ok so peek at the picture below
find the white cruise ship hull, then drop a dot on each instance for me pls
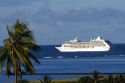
(96, 49)
(95, 45)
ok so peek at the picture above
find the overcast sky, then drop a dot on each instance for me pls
(55, 21)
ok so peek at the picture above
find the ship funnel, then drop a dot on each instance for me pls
(75, 39)
(98, 38)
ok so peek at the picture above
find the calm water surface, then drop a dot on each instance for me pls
(53, 61)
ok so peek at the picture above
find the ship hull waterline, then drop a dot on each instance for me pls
(82, 49)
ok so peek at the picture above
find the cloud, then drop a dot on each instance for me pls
(13, 3)
(39, 12)
(23, 9)
(80, 22)
(51, 27)
(103, 16)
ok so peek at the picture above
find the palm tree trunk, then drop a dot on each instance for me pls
(16, 78)
(95, 80)
(20, 73)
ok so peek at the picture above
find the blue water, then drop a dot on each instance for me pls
(53, 61)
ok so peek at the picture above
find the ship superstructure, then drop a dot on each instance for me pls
(97, 44)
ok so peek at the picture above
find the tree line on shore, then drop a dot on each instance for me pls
(96, 77)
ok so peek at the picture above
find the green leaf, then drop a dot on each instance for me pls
(34, 58)
(24, 60)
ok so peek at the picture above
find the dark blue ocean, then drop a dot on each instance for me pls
(53, 61)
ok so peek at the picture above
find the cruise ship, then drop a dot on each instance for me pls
(97, 44)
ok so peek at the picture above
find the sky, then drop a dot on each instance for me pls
(55, 21)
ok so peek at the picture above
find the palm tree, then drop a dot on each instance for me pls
(85, 79)
(46, 79)
(119, 79)
(97, 78)
(16, 53)
(110, 79)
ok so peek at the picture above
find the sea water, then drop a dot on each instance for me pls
(53, 61)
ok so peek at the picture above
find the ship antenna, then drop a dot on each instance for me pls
(76, 38)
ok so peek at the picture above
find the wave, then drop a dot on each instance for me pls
(47, 57)
(60, 57)
(121, 55)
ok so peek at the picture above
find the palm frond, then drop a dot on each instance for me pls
(9, 65)
(34, 58)
(27, 53)
(9, 32)
(25, 61)
(2, 58)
